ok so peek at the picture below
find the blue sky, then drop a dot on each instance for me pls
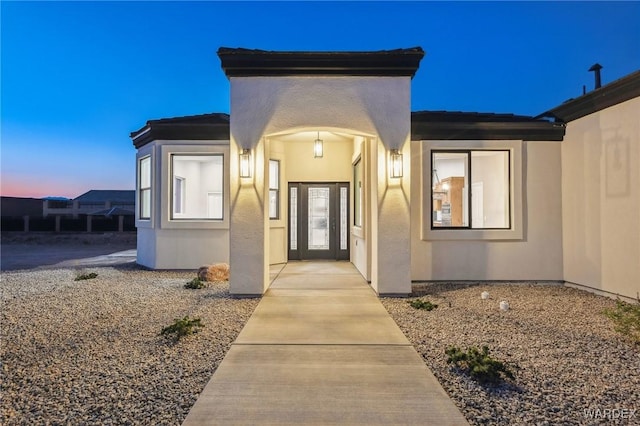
(78, 77)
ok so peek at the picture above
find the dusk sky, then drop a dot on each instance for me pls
(78, 77)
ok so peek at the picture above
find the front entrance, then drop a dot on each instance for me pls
(319, 221)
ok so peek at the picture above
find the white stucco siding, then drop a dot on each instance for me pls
(537, 255)
(601, 193)
(264, 107)
(371, 105)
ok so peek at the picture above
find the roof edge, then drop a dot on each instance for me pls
(616, 92)
(241, 62)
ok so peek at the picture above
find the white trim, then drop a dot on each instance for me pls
(164, 183)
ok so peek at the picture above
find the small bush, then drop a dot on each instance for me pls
(181, 327)
(195, 283)
(88, 276)
(422, 304)
(479, 364)
(626, 319)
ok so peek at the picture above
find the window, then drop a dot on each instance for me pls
(357, 193)
(178, 195)
(197, 182)
(274, 189)
(144, 188)
(470, 189)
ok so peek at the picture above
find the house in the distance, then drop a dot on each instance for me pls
(91, 202)
(322, 158)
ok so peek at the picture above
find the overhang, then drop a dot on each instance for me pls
(455, 125)
(239, 62)
(616, 92)
(194, 127)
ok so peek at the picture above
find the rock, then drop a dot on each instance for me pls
(216, 272)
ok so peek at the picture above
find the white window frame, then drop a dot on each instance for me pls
(143, 157)
(204, 147)
(516, 165)
(276, 189)
(358, 194)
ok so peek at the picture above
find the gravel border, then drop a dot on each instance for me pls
(565, 354)
(89, 352)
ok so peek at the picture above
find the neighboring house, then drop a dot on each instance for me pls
(322, 158)
(90, 202)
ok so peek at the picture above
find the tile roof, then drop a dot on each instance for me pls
(102, 195)
(213, 126)
(458, 125)
(616, 92)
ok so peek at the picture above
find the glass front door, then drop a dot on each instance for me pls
(318, 221)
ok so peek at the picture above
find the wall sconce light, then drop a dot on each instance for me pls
(317, 147)
(245, 163)
(395, 164)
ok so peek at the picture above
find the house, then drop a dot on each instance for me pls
(322, 158)
(90, 202)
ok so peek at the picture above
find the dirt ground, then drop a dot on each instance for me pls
(45, 249)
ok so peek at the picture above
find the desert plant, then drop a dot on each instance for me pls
(422, 304)
(85, 276)
(626, 319)
(479, 364)
(195, 283)
(181, 327)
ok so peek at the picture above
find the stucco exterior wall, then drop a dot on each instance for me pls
(165, 243)
(537, 255)
(601, 194)
(263, 107)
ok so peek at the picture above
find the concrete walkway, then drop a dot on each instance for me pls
(321, 349)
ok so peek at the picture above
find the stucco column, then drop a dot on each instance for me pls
(391, 272)
(248, 224)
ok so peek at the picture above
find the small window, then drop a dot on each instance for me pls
(274, 189)
(144, 188)
(197, 182)
(470, 189)
(357, 193)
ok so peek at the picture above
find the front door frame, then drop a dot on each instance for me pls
(301, 251)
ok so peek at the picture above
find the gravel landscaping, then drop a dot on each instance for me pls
(89, 352)
(565, 354)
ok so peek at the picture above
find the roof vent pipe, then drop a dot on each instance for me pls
(596, 69)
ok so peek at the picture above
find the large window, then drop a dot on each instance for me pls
(274, 189)
(470, 189)
(357, 193)
(197, 186)
(144, 188)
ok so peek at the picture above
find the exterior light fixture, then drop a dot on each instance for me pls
(395, 164)
(245, 163)
(317, 147)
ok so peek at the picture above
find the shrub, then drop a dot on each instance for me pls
(479, 364)
(195, 283)
(88, 276)
(422, 304)
(626, 319)
(181, 327)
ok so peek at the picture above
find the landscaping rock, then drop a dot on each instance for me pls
(212, 273)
